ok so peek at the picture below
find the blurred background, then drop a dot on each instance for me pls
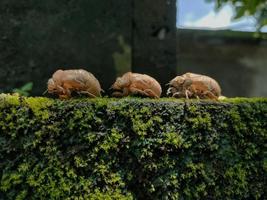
(225, 39)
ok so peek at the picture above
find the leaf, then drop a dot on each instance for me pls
(24, 90)
(27, 87)
(240, 12)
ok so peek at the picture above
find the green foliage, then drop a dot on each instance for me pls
(122, 60)
(132, 148)
(24, 90)
(256, 8)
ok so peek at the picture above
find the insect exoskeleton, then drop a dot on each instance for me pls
(66, 82)
(136, 84)
(190, 85)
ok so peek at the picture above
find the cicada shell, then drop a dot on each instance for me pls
(192, 85)
(65, 82)
(136, 84)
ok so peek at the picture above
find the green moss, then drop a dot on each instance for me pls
(39, 106)
(99, 195)
(132, 148)
(237, 177)
(7, 100)
(239, 100)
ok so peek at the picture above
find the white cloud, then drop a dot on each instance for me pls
(221, 20)
(214, 20)
(191, 14)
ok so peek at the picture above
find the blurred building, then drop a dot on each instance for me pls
(238, 60)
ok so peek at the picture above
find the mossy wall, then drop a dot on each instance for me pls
(132, 148)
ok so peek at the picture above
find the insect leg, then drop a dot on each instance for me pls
(186, 94)
(45, 92)
(178, 95)
(117, 94)
(88, 93)
(125, 92)
(121, 93)
(171, 91)
(67, 92)
(134, 90)
(61, 89)
(150, 93)
(210, 95)
(63, 93)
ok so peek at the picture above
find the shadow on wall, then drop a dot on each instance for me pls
(236, 59)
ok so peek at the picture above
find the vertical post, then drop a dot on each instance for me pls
(154, 39)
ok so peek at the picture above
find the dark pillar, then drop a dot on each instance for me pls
(154, 39)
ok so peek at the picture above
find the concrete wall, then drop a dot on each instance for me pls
(237, 60)
(38, 37)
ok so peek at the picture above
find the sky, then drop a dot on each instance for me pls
(201, 15)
